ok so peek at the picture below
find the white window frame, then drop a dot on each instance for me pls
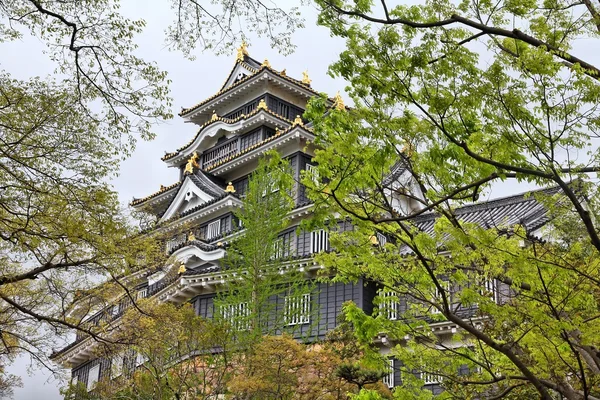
(430, 379)
(213, 229)
(297, 309)
(437, 297)
(319, 241)
(117, 365)
(140, 359)
(236, 315)
(389, 304)
(388, 380)
(142, 293)
(489, 286)
(381, 239)
(313, 171)
(93, 377)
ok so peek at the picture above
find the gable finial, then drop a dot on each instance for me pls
(305, 79)
(338, 102)
(242, 51)
(266, 63)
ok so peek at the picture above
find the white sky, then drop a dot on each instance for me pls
(193, 81)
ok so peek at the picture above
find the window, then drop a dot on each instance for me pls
(139, 359)
(117, 365)
(236, 315)
(93, 376)
(297, 309)
(488, 289)
(283, 244)
(388, 380)
(381, 238)
(142, 293)
(213, 229)
(313, 172)
(438, 296)
(319, 241)
(389, 304)
(429, 378)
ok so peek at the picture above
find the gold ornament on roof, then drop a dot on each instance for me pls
(374, 241)
(262, 105)
(192, 163)
(298, 121)
(214, 116)
(266, 63)
(283, 73)
(242, 51)
(191, 237)
(182, 269)
(305, 79)
(230, 188)
(338, 102)
(162, 187)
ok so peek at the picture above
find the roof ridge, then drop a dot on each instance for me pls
(162, 190)
(244, 79)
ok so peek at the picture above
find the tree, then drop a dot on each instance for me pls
(465, 95)
(62, 229)
(174, 350)
(258, 260)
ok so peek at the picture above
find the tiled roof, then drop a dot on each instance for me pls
(226, 120)
(521, 209)
(202, 245)
(245, 79)
(163, 189)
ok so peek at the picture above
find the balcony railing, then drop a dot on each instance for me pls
(233, 146)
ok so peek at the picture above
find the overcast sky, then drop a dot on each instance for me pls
(193, 81)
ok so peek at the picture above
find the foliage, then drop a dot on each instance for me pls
(62, 230)
(257, 261)
(221, 25)
(459, 96)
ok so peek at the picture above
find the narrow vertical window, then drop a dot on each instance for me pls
(236, 315)
(388, 380)
(93, 376)
(213, 229)
(319, 241)
(297, 309)
(389, 304)
(313, 172)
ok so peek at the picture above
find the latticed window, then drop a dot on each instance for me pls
(93, 376)
(489, 289)
(429, 378)
(388, 380)
(213, 229)
(438, 296)
(297, 309)
(236, 315)
(117, 365)
(381, 238)
(142, 293)
(319, 241)
(313, 172)
(389, 304)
